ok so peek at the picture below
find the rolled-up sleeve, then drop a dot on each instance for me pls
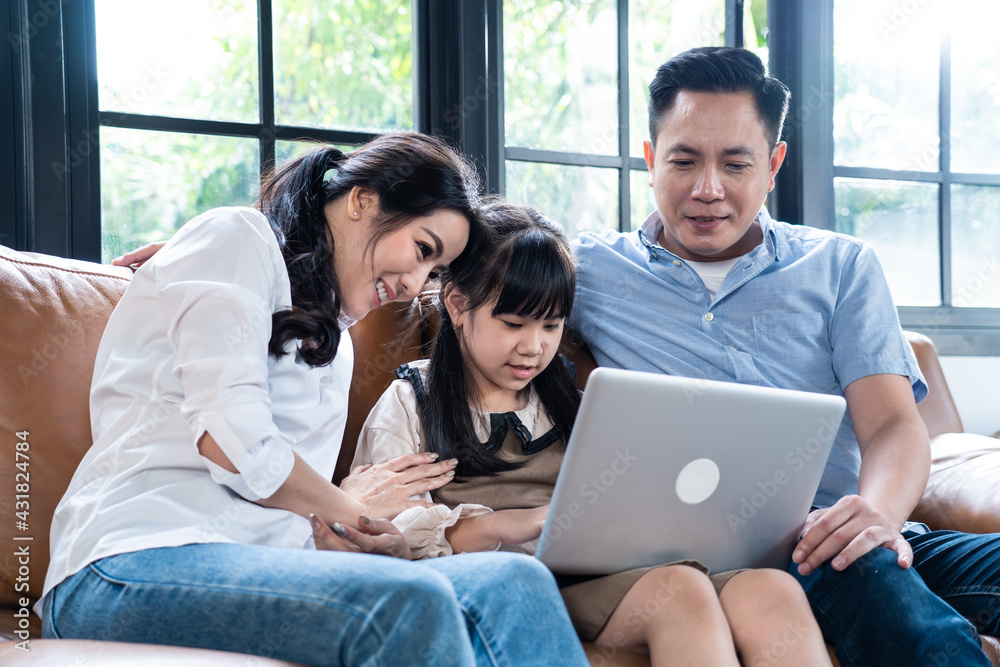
(217, 282)
(424, 528)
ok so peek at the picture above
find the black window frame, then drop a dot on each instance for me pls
(624, 162)
(49, 124)
(802, 56)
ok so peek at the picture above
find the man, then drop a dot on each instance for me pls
(712, 287)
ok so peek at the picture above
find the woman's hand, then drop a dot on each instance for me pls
(376, 536)
(385, 488)
(138, 257)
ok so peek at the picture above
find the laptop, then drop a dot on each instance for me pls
(662, 468)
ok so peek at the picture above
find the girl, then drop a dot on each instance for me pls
(493, 396)
(219, 401)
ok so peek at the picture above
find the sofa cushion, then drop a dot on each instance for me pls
(52, 314)
(963, 492)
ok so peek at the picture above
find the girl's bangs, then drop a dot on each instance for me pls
(538, 283)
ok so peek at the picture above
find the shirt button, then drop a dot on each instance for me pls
(709, 317)
(677, 262)
(325, 379)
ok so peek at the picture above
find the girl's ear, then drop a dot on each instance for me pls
(455, 302)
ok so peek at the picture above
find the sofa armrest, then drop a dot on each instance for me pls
(963, 492)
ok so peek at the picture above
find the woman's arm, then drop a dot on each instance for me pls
(304, 492)
(308, 494)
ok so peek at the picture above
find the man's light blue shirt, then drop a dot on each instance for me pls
(807, 309)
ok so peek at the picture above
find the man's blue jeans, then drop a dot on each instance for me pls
(322, 608)
(876, 613)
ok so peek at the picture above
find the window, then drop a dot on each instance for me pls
(575, 74)
(915, 173)
(197, 99)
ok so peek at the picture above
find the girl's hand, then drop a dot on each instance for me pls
(138, 257)
(377, 536)
(519, 526)
(385, 488)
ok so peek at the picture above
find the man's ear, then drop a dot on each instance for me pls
(777, 157)
(649, 152)
(455, 302)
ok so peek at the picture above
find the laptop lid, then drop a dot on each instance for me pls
(662, 468)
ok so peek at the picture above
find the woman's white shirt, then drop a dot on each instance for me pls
(185, 352)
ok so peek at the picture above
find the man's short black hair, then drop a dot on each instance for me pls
(719, 69)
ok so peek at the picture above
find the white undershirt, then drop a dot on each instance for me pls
(185, 352)
(713, 273)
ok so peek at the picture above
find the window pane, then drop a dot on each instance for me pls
(659, 30)
(343, 64)
(561, 75)
(975, 238)
(580, 199)
(643, 201)
(288, 150)
(900, 221)
(154, 182)
(886, 70)
(975, 72)
(186, 59)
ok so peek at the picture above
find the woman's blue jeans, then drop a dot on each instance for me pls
(876, 613)
(321, 607)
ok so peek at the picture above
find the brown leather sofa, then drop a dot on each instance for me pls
(52, 314)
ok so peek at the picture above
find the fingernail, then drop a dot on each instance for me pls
(337, 528)
(798, 555)
(839, 562)
(450, 473)
(433, 455)
(365, 520)
(314, 520)
(804, 569)
(453, 462)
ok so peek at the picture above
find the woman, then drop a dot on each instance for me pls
(218, 406)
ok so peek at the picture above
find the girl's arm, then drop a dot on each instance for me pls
(484, 532)
(391, 431)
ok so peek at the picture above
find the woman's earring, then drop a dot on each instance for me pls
(355, 214)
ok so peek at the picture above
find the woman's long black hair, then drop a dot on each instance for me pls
(414, 175)
(527, 271)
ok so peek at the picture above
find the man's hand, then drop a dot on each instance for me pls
(846, 532)
(385, 488)
(377, 536)
(138, 257)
